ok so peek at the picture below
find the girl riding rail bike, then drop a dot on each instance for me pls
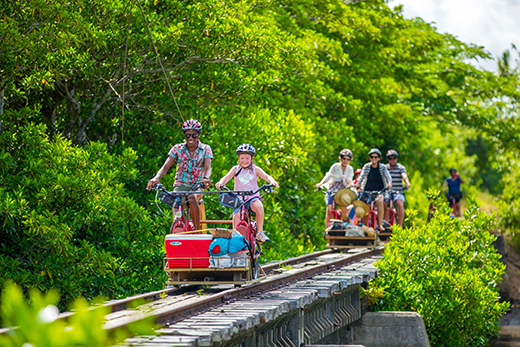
(246, 178)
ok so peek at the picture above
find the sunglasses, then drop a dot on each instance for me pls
(347, 158)
(391, 158)
(191, 135)
(374, 157)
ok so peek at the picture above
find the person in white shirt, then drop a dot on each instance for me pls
(339, 176)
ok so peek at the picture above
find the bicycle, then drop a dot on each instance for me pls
(182, 221)
(334, 212)
(392, 214)
(247, 225)
(371, 219)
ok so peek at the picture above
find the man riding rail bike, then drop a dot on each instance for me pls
(193, 160)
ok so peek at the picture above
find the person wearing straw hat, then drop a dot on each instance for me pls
(361, 209)
(375, 177)
(339, 176)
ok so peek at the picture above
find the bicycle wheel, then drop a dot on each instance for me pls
(255, 267)
(391, 216)
(372, 219)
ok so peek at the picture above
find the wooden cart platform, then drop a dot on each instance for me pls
(210, 275)
(348, 242)
(384, 236)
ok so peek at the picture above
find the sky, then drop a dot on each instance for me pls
(493, 24)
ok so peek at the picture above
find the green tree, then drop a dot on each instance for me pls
(448, 271)
(67, 221)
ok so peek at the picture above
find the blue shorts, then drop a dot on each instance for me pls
(399, 196)
(329, 198)
(247, 204)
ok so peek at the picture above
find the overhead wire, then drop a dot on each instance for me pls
(159, 59)
(125, 59)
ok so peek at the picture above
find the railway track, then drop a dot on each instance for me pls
(174, 305)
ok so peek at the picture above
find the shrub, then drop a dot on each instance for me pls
(510, 204)
(37, 324)
(67, 221)
(447, 271)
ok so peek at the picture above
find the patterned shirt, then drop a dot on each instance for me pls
(190, 168)
(397, 176)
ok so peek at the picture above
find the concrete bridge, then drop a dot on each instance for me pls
(324, 310)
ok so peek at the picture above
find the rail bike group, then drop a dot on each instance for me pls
(360, 209)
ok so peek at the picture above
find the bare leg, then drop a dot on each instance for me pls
(399, 204)
(344, 215)
(236, 219)
(380, 211)
(194, 211)
(174, 220)
(258, 208)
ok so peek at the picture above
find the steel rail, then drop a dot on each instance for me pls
(190, 307)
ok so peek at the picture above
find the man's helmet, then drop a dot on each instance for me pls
(345, 152)
(358, 171)
(392, 153)
(374, 150)
(246, 148)
(191, 124)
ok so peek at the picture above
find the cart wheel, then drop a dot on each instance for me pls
(255, 268)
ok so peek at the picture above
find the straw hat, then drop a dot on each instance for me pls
(360, 208)
(344, 197)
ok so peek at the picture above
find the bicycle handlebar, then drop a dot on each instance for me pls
(266, 187)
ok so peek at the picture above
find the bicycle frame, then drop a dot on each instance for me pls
(333, 213)
(247, 227)
(182, 223)
(371, 219)
(391, 218)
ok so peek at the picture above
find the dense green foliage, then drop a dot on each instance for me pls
(67, 221)
(38, 323)
(300, 80)
(447, 271)
(510, 203)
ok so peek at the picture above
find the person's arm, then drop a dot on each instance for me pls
(363, 177)
(406, 180)
(207, 172)
(444, 186)
(162, 171)
(325, 179)
(350, 176)
(388, 177)
(260, 173)
(461, 180)
(226, 178)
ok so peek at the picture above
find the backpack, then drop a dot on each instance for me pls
(229, 200)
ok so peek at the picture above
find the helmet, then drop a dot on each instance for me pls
(246, 148)
(191, 124)
(345, 152)
(392, 153)
(358, 171)
(374, 150)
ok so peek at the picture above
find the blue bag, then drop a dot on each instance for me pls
(237, 244)
(218, 247)
(229, 200)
